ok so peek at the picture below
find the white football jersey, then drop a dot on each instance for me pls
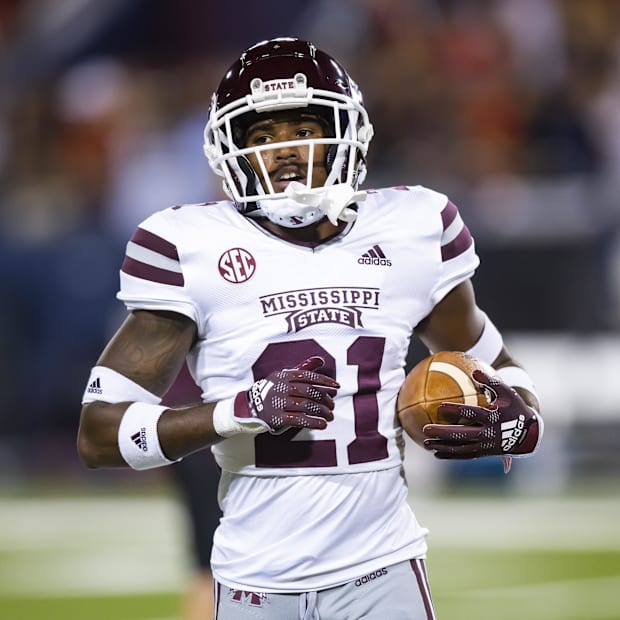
(261, 304)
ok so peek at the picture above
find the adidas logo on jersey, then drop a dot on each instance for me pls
(139, 439)
(374, 256)
(95, 387)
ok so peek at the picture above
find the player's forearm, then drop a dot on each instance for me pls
(186, 430)
(97, 440)
(180, 432)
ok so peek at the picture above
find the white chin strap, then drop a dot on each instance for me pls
(303, 206)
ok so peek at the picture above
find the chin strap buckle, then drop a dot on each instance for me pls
(333, 200)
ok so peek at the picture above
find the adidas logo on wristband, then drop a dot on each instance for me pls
(95, 387)
(139, 439)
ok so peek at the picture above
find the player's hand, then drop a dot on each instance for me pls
(506, 427)
(298, 397)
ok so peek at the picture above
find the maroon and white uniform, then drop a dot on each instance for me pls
(337, 496)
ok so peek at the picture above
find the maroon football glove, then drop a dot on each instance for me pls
(506, 427)
(299, 397)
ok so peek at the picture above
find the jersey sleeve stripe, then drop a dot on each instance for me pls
(144, 255)
(452, 231)
(458, 245)
(448, 214)
(155, 243)
(145, 271)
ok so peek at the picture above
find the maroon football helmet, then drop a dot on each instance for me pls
(284, 74)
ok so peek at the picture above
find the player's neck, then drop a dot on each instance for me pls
(313, 234)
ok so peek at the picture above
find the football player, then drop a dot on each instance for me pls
(294, 303)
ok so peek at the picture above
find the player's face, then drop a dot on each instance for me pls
(288, 163)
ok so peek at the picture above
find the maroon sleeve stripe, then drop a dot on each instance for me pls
(448, 214)
(155, 243)
(141, 270)
(458, 245)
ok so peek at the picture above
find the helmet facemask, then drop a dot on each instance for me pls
(250, 187)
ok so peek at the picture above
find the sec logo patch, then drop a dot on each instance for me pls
(237, 265)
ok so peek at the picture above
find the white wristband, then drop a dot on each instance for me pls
(226, 425)
(110, 386)
(138, 440)
(515, 376)
(489, 344)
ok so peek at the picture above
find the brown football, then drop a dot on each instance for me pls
(442, 377)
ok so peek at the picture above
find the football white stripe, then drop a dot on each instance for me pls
(144, 255)
(460, 377)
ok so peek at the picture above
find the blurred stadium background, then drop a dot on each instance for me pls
(512, 107)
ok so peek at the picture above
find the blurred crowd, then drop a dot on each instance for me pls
(512, 107)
